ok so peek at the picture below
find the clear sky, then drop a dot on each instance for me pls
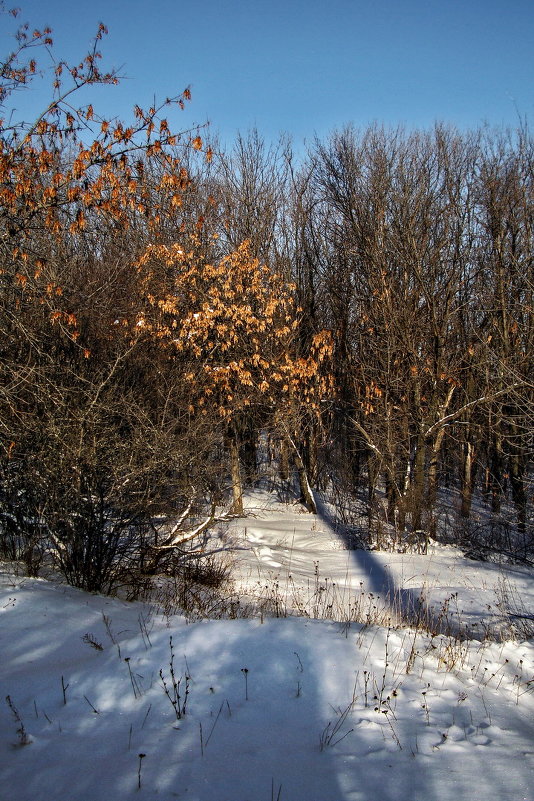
(306, 67)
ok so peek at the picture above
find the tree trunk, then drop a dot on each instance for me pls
(418, 485)
(284, 460)
(372, 475)
(235, 473)
(519, 493)
(496, 473)
(432, 488)
(306, 495)
(468, 475)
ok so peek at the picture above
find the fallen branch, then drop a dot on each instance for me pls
(179, 538)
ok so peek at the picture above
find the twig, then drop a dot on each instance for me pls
(141, 757)
(92, 707)
(135, 686)
(244, 671)
(64, 688)
(147, 713)
(214, 724)
(24, 737)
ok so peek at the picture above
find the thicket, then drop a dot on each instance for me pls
(417, 251)
(134, 349)
(414, 251)
(169, 310)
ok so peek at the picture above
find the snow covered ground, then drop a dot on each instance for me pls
(276, 709)
(281, 548)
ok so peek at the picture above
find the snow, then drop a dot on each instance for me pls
(289, 708)
(305, 555)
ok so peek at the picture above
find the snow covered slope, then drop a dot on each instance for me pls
(293, 709)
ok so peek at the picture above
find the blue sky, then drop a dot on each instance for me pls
(306, 67)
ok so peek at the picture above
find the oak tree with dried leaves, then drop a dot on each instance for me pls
(127, 355)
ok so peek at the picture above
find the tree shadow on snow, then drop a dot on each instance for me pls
(408, 605)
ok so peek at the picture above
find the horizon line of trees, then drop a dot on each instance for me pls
(414, 250)
(166, 307)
